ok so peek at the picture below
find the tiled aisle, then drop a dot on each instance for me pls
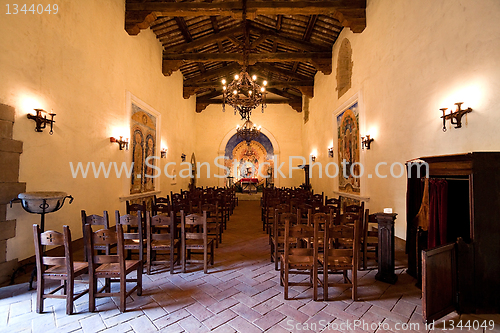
(240, 294)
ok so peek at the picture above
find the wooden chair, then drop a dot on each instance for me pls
(341, 257)
(134, 235)
(161, 237)
(113, 268)
(369, 239)
(214, 224)
(299, 259)
(63, 269)
(278, 235)
(136, 208)
(94, 220)
(194, 238)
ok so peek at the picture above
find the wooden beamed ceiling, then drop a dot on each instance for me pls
(290, 41)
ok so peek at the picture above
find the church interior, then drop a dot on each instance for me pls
(109, 104)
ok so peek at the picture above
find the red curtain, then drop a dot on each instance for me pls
(438, 212)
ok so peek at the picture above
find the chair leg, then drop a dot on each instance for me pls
(70, 284)
(148, 260)
(325, 284)
(354, 284)
(123, 291)
(183, 259)
(205, 259)
(213, 255)
(172, 250)
(285, 278)
(139, 280)
(40, 287)
(92, 292)
(315, 283)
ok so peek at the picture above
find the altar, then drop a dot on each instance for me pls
(249, 185)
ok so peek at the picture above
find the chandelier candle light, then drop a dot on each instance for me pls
(243, 93)
(248, 131)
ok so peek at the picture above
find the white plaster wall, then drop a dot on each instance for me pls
(281, 121)
(413, 58)
(80, 63)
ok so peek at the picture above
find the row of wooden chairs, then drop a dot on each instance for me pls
(162, 235)
(274, 207)
(319, 250)
(105, 252)
(113, 268)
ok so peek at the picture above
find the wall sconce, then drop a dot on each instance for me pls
(366, 142)
(454, 116)
(183, 157)
(330, 152)
(41, 122)
(163, 153)
(123, 143)
(313, 158)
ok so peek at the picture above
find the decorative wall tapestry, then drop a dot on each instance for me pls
(348, 143)
(249, 157)
(143, 133)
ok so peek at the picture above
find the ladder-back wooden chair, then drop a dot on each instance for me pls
(298, 259)
(112, 268)
(195, 240)
(369, 239)
(95, 220)
(133, 234)
(161, 237)
(341, 254)
(63, 269)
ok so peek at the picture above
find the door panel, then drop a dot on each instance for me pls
(439, 275)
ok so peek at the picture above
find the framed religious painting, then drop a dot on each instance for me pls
(144, 134)
(348, 143)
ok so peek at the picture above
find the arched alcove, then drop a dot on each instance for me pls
(263, 149)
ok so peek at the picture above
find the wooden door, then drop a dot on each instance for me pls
(439, 276)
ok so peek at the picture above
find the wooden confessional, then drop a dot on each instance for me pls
(464, 273)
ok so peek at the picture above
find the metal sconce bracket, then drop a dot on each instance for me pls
(366, 142)
(330, 152)
(455, 117)
(42, 121)
(313, 158)
(183, 157)
(122, 143)
(163, 153)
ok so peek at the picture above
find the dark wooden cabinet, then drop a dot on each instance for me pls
(464, 274)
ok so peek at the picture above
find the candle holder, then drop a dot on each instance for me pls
(366, 142)
(455, 117)
(42, 121)
(123, 143)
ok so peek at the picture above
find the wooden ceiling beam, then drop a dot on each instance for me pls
(234, 8)
(264, 68)
(139, 15)
(275, 84)
(252, 58)
(285, 40)
(203, 41)
(296, 104)
(214, 73)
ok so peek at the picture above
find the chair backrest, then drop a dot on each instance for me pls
(348, 238)
(300, 251)
(164, 223)
(189, 223)
(135, 223)
(161, 200)
(161, 208)
(136, 208)
(105, 237)
(49, 238)
(366, 224)
(93, 220)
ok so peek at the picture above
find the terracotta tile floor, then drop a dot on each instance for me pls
(241, 293)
